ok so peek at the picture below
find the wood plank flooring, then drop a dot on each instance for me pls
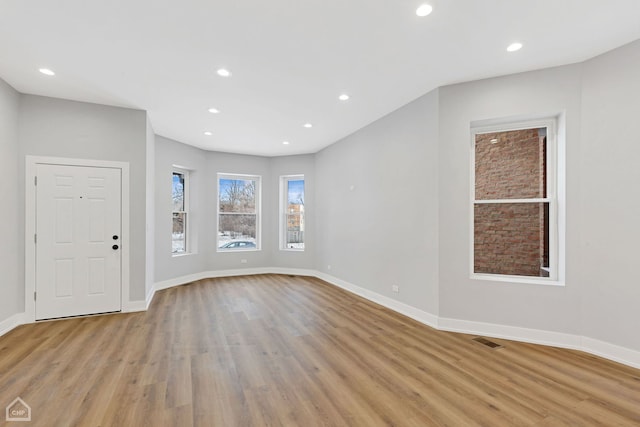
(275, 350)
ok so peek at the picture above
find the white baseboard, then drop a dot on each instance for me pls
(134, 306)
(534, 336)
(619, 354)
(12, 322)
(292, 271)
(395, 305)
(603, 349)
(183, 280)
(231, 273)
(150, 295)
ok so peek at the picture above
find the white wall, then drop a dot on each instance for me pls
(59, 128)
(12, 277)
(377, 206)
(609, 198)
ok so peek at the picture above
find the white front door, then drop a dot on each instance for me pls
(78, 240)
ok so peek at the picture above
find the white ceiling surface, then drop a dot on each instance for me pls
(290, 59)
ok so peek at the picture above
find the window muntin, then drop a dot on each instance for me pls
(292, 213)
(180, 203)
(238, 212)
(514, 207)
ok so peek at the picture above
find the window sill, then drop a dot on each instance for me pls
(517, 279)
(182, 254)
(237, 250)
(291, 250)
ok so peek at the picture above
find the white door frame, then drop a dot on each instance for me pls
(30, 226)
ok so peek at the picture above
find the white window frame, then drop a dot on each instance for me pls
(555, 196)
(284, 204)
(258, 213)
(187, 217)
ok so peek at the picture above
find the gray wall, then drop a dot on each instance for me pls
(60, 128)
(293, 165)
(204, 167)
(239, 164)
(169, 153)
(12, 278)
(377, 206)
(415, 163)
(388, 205)
(609, 202)
(550, 91)
(150, 209)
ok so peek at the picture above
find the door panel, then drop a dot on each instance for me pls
(97, 274)
(64, 278)
(77, 270)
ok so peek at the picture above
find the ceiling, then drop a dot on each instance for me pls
(289, 59)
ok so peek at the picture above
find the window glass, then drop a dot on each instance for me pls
(511, 164)
(238, 210)
(292, 218)
(295, 214)
(512, 238)
(512, 207)
(179, 214)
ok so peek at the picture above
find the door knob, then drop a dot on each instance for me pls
(114, 247)
(115, 237)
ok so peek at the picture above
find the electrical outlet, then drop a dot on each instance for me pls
(395, 288)
(243, 261)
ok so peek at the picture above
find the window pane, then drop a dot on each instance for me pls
(511, 164)
(294, 233)
(236, 228)
(295, 192)
(237, 195)
(178, 192)
(512, 238)
(178, 235)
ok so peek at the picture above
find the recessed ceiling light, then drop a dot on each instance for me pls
(514, 47)
(285, 142)
(308, 125)
(424, 10)
(214, 110)
(208, 133)
(47, 72)
(224, 72)
(343, 97)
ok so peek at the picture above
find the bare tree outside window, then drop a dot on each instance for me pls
(179, 214)
(293, 212)
(238, 212)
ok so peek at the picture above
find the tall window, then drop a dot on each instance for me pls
(238, 212)
(292, 222)
(180, 214)
(514, 206)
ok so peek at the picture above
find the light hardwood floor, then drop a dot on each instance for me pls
(295, 351)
